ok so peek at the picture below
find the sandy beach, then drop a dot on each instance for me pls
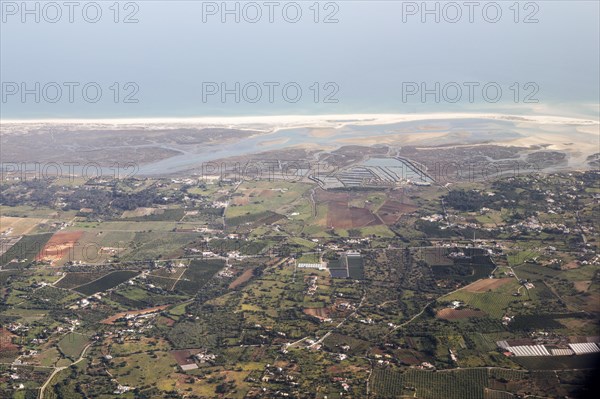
(578, 137)
(274, 123)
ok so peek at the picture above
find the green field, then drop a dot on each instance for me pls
(107, 282)
(458, 384)
(355, 267)
(494, 303)
(158, 244)
(167, 215)
(25, 250)
(198, 274)
(72, 344)
(587, 361)
(75, 279)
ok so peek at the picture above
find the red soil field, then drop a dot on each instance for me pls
(397, 207)
(183, 357)
(240, 201)
(486, 284)
(327, 196)
(6, 341)
(268, 193)
(59, 246)
(247, 275)
(321, 313)
(455, 314)
(392, 210)
(340, 216)
(165, 321)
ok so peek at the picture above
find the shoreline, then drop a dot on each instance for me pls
(299, 121)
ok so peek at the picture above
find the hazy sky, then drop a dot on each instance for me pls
(180, 51)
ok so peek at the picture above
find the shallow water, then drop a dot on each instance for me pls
(471, 130)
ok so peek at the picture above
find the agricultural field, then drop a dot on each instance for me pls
(59, 247)
(24, 251)
(154, 215)
(180, 288)
(355, 267)
(72, 345)
(147, 245)
(76, 279)
(481, 383)
(106, 282)
(426, 384)
(488, 284)
(197, 274)
(257, 203)
(8, 349)
(456, 314)
(495, 303)
(18, 226)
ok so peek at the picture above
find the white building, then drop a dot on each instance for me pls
(320, 265)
